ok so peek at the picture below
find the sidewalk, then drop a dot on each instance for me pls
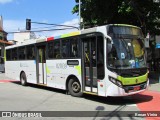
(154, 79)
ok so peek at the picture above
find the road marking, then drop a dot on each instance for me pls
(131, 105)
(7, 81)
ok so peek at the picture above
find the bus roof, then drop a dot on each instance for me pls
(83, 31)
(64, 35)
(89, 30)
(125, 25)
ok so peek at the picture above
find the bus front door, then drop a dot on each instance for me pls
(41, 65)
(90, 64)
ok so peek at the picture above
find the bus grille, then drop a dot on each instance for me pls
(135, 87)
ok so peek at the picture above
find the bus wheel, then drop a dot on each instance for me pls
(23, 79)
(74, 87)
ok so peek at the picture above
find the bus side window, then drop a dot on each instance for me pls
(74, 48)
(65, 48)
(8, 55)
(30, 52)
(21, 53)
(14, 54)
(50, 49)
(57, 49)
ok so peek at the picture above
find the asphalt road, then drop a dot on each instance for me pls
(14, 97)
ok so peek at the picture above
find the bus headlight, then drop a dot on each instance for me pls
(115, 81)
(119, 84)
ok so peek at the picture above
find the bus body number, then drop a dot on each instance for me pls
(61, 65)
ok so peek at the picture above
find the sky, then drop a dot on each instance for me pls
(15, 12)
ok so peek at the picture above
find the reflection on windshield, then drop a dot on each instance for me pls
(126, 53)
(138, 50)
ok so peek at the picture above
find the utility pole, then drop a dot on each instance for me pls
(1, 23)
(79, 14)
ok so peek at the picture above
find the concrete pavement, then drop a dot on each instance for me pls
(154, 78)
(146, 101)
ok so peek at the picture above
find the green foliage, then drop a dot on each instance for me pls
(143, 13)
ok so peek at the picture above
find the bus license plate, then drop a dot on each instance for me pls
(136, 88)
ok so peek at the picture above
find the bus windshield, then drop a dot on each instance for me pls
(126, 50)
(126, 53)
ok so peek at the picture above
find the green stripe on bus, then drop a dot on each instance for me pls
(48, 70)
(78, 68)
(133, 80)
(70, 34)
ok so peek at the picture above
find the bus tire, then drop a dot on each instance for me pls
(23, 79)
(74, 87)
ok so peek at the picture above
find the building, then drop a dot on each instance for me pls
(3, 42)
(21, 36)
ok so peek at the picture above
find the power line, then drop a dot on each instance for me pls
(28, 27)
(39, 30)
(42, 27)
(56, 25)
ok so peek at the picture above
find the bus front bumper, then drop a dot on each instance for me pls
(114, 90)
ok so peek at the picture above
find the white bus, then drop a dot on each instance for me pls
(105, 61)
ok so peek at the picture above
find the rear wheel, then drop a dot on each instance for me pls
(74, 87)
(23, 79)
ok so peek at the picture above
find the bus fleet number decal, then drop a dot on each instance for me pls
(61, 65)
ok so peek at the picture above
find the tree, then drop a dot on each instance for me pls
(143, 13)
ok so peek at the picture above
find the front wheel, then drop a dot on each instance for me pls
(23, 79)
(74, 87)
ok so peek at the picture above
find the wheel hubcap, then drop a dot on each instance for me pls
(76, 87)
